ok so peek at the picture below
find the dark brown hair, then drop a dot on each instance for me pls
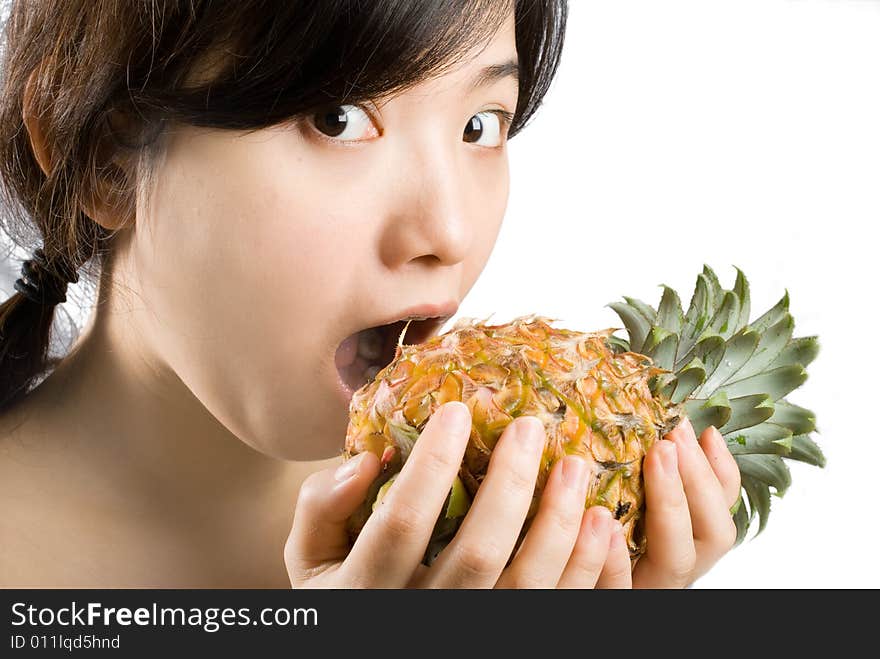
(109, 77)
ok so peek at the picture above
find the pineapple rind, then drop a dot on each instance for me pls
(593, 401)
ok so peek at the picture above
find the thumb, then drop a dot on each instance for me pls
(326, 500)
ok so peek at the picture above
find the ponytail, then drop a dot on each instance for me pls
(24, 344)
(26, 322)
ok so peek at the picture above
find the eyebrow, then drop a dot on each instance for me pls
(496, 72)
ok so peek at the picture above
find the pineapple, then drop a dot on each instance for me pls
(603, 397)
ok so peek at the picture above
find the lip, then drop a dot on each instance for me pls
(441, 312)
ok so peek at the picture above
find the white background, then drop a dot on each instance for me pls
(743, 132)
(730, 133)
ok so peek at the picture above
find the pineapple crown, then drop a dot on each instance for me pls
(734, 375)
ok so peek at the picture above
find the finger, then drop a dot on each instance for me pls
(714, 530)
(722, 463)
(326, 500)
(670, 555)
(482, 546)
(590, 551)
(546, 549)
(617, 571)
(393, 541)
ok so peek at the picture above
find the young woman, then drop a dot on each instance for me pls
(251, 185)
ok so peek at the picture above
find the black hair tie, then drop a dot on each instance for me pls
(42, 284)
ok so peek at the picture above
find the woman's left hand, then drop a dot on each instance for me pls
(690, 488)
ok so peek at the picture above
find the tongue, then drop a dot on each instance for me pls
(347, 351)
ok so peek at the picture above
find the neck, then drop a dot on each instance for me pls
(136, 431)
(141, 417)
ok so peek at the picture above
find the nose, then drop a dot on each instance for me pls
(429, 218)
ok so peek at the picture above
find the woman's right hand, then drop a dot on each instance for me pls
(565, 546)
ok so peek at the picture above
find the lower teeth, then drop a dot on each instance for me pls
(371, 371)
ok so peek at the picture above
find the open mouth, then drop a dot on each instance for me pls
(363, 354)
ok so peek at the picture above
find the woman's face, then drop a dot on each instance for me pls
(259, 255)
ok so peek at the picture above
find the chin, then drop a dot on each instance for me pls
(319, 435)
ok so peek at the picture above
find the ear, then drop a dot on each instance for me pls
(109, 202)
(30, 114)
(106, 203)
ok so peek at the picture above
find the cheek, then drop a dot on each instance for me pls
(488, 215)
(245, 266)
(239, 270)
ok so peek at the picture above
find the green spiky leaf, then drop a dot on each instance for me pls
(801, 351)
(759, 500)
(618, 344)
(741, 288)
(776, 383)
(773, 315)
(669, 313)
(717, 292)
(697, 316)
(663, 384)
(768, 469)
(645, 309)
(689, 378)
(772, 343)
(741, 519)
(794, 417)
(636, 324)
(704, 413)
(710, 350)
(733, 374)
(761, 438)
(805, 449)
(660, 346)
(726, 317)
(747, 411)
(737, 351)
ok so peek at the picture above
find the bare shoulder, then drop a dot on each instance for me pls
(20, 509)
(38, 505)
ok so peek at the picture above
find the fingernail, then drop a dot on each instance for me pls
(688, 428)
(348, 468)
(574, 472)
(530, 432)
(719, 438)
(668, 457)
(712, 431)
(617, 534)
(601, 520)
(455, 417)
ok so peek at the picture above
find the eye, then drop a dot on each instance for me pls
(344, 123)
(487, 125)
